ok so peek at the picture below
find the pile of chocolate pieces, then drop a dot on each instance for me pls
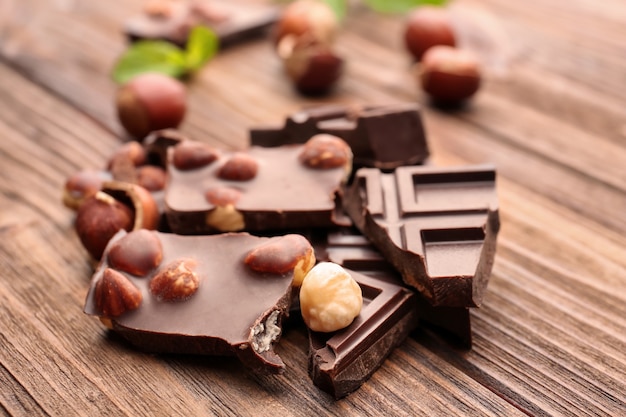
(419, 240)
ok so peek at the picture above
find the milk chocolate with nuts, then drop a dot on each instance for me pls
(199, 296)
(259, 190)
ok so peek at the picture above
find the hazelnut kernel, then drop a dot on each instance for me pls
(239, 167)
(311, 18)
(324, 151)
(137, 253)
(428, 26)
(114, 294)
(225, 219)
(150, 102)
(282, 254)
(330, 299)
(223, 196)
(175, 282)
(151, 177)
(99, 218)
(188, 155)
(449, 75)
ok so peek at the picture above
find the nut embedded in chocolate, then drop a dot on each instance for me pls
(137, 253)
(190, 155)
(282, 254)
(325, 151)
(114, 294)
(222, 196)
(239, 167)
(176, 281)
(235, 311)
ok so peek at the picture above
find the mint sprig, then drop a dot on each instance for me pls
(384, 6)
(167, 58)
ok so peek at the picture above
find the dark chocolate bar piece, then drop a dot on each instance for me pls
(380, 136)
(234, 311)
(436, 226)
(172, 21)
(340, 362)
(383, 137)
(349, 248)
(284, 192)
(298, 127)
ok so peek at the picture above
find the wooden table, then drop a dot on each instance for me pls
(550, 338)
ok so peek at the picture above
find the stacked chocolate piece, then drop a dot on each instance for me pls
(240, 230)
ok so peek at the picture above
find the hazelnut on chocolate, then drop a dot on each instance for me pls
(330, 299)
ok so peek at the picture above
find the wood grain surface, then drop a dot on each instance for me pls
(550, 338)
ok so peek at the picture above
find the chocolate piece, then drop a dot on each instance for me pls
(173, 20)
(384, 137)
(284, 193)
(235, 311)
(341, 361)
(347, 247)
(298, 128)
(436, 226)
(380, 136)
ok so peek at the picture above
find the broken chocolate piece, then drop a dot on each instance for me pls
(284, 193)
(298, 128)
(436, 226)
(234, 310)
(349, 248)
(384, 137)
(340, 362)
(172, 21)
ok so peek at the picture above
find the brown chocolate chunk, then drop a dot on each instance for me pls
(436, 226)
(173, 21)
(384, 137)
(283, 194)
(232, 310)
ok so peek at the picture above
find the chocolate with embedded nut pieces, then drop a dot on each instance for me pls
(173, 21)
(230, 310)
(280, 192)
(436, 226)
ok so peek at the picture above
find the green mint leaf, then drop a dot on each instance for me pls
(339, 7)
(400, 6)
(202, 45)
(150, 56)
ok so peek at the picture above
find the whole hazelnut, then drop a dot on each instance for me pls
(150, 102)
(313, 68)
(449, 75)
(312, 18)
(426, 27)
(99, 218)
